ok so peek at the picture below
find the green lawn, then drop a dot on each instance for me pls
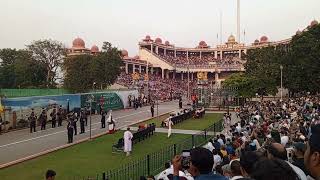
(86, 159)
(189, 124)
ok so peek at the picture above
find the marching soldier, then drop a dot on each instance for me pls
(32, 118)
(59, 115)
(152, 109)
(82, 122)
(53, 115)
(70, 128)
(43, 119)
(85, 115)
(180, 102)
(103, 119)
(74, 119)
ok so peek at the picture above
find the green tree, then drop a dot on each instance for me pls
(19, 69)
(245, 85)
(83, 70)
(51, 53)
(302, 63)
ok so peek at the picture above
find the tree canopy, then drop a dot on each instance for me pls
(81, 72)
(19, 70)
(51, 53)
(300, 60)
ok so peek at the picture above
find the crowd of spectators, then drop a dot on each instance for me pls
(274, 140)
(162, 89)
(205, 60)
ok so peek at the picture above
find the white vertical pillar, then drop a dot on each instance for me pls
(133, 68)
(200, 54)
(192, 76)
(182, 76)
(216, 54)
(162, 74)
(140, 69)
(240, 53)
(175, 53)
(127, 70)
(220, 54)
(151, 70)
(167, 74)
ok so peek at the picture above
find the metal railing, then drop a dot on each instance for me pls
(153, 163)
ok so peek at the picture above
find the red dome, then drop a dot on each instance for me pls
(202, 43)
(124, 53)
(148, 37)
(264, 39)
(78, 43)
(314, 23)
(256, 41)
(167, 43)
(94, 49)
(158, 41)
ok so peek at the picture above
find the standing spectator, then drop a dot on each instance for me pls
(235, 170)
(298, 155)
(312, 154)
(50, 175)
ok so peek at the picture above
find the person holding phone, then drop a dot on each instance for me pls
(200, 165)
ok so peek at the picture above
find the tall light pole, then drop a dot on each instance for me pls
(281, 68)
(238, 21)
(188, 95)
(91, 100)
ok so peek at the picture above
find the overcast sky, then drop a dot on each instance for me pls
(125, 22)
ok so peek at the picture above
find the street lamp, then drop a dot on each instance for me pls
(281, 68)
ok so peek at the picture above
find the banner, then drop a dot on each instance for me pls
(102, 101)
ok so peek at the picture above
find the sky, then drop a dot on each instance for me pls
(125, 22)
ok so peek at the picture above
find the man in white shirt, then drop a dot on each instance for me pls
(127, 137)
(284, 139)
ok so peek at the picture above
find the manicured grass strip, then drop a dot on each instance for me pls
(87, 159)
(199, 124)
(189, 124)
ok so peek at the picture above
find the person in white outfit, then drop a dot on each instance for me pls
(127, 137)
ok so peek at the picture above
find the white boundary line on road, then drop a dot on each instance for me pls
(26, 140)
(66, 145)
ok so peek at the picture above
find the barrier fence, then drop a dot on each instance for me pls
(153, 164)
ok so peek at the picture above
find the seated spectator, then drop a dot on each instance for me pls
(235, 168)
(275, 169)
(50, 175)
(298, 155)
(201, 164)
(247, 162)
(278, 151)
(312, 154)
(216, 158)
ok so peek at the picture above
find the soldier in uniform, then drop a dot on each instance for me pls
(74, 123)
(43, 119)
(59, 115)
(85, 115)
(70, 128)
(53, 115)
(103, 119)
(82, 122)
(32, 118)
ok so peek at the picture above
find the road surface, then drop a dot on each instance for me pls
(19, 144)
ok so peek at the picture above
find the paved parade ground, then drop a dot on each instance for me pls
(20, 144)
(91, 158)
